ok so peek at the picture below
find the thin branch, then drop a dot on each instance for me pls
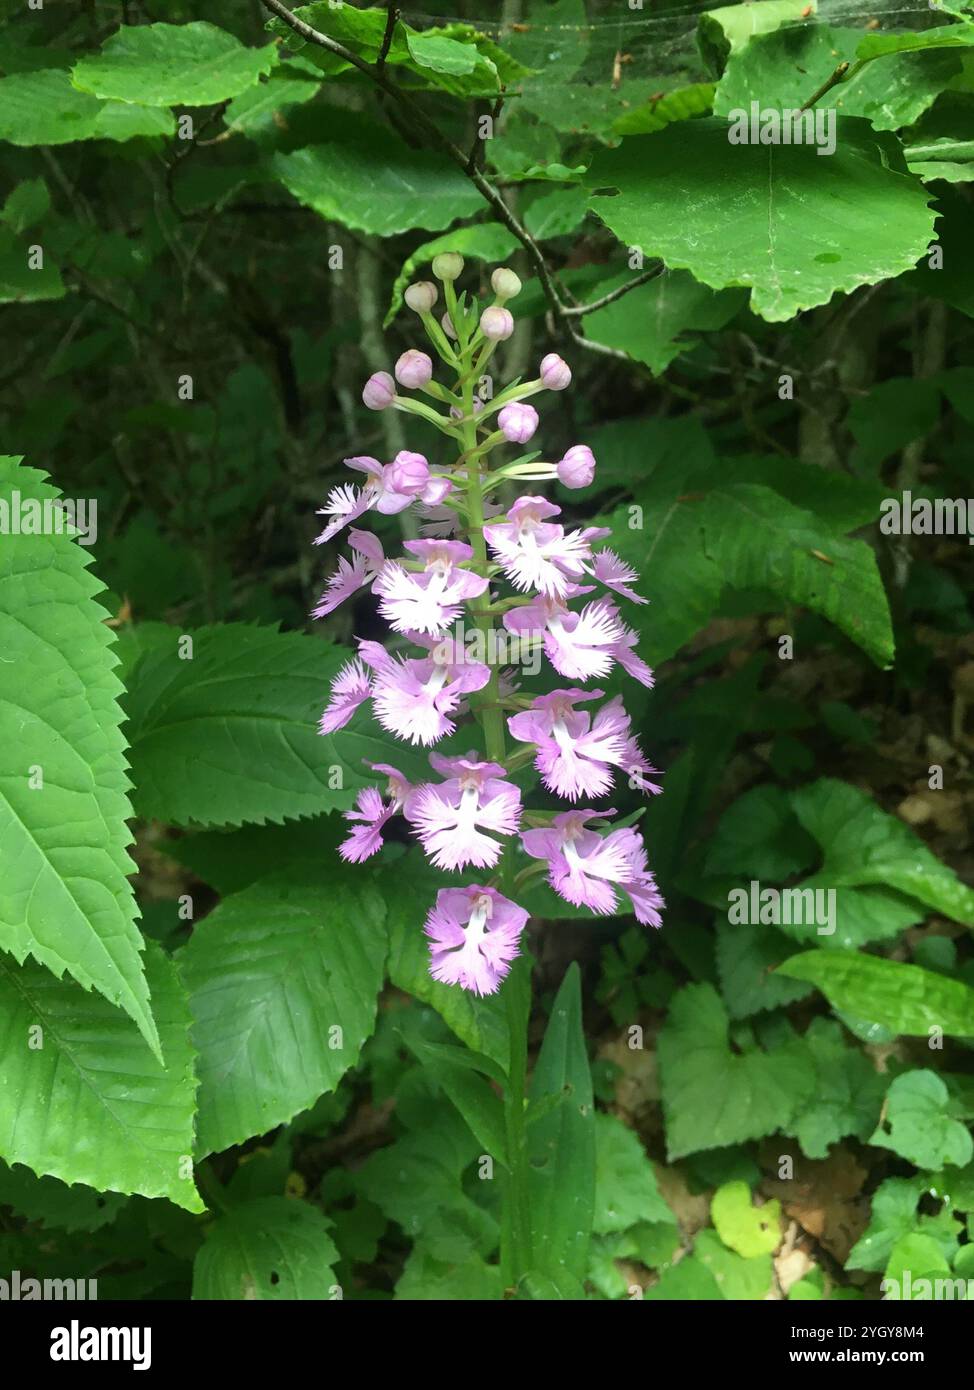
(392, 19)
(840, 75)
(579, 310)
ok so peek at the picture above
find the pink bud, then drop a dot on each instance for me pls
(518, 422)
(421, 296)
(414, 369)
(378, 391)
(446, 323)
(555, 372)
(577, 468)
(496, 324)
(408, 472)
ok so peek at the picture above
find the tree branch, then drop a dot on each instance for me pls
(579, 310)
(392, 19)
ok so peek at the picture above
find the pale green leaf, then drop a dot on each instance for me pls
(193, 64)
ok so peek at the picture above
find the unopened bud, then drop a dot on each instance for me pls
(449, 266)
(422, 296)
(414, 369)
(446, 323)
(505, 283)
(577, 468)
(518, 422)
(555, 373)
(496, 323)
(379, 391)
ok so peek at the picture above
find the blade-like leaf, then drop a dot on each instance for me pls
(904, 998)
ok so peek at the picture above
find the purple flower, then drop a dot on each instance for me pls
(433, 600)
(414, 369)
(379, 391)
(474, 934)
(414, 698)
(518, 422)
(366, 838)
(555, 372)
(534, 552)
(348, 690)
(496, 324)
(576, 752)
(450, 818)
(584, 868)
(350, 577)
(615, 574)
(577, 468)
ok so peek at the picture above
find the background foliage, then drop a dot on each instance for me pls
(226, 217)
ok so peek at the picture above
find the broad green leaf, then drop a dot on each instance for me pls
(65, 897)
(268, 1249)
(904, 998)
(625, 1182)
(83, 1099)
(804, 227)
(917, 1256)
(229, 734)
(748, 1230)
(649, 323)
(378, 185)
(782, 70)
(43, 108)
(892, 1216)
(27, 204)
(259, 108)
(282, 981)
(425, 1278)
(22, 281)
(759, 837)
(229, 860)
(737, 1277)
(193, 64)
(732, 27)
(660, 111)
(864, 846)
(54, 1204)
(918, 1123)
(746, 961)
(561, 1145)
(442, 54)
(486, 241)
(848, 1092)
(556, 214)
(712, 1096)
(945, 36)
(688, 1281)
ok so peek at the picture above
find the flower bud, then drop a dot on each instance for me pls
(449, 266)
(379, 391)
(414, 369)
(422, 296)
(518, 422)
(496, 324)
(555, 372)
(408, 472)
(577, 468)
(505, 283)
(446, 323)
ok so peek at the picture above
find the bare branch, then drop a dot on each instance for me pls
(578, 310)
(392, 19)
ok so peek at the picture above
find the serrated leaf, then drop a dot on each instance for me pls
(649, 322)
(65, 898)
(91, 1104)
(56, 1205)
(904, 998)
(561, 1144)
(193, 64)
(230, 734)
(848, 1092)
(804, 227)
(271, 973)
(270, 1249)
(713, 1097)
(918, 1123)
(746, 961)
(626, 1192)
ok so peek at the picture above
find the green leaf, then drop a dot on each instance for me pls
(561, 1144)
(713, 1097)
(736, 1277)
(746, 961)
(946, 36)
(56, 1205)
(694, 100)
(649, 323)
(783, 69)
(904, 998)
(229, 734)
(269, 1249)
(848, 1092)
(442, 54)
(689, 1281)
(21, 282)
(759, 837)
(27, 204)
(804, 227)
(625, 1182)
(65, 898)
(893, 1215)
(487, 241)
(918, 1123)
(376, 184)
(43, 108)
(193, 64)
(732, 27)
(556, 214)
(743, 1227)
(83, 1098)
(864, 846)
(916, 1255)
(282, 980)
(258, 108)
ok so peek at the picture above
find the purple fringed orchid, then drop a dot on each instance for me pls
(448, 587)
